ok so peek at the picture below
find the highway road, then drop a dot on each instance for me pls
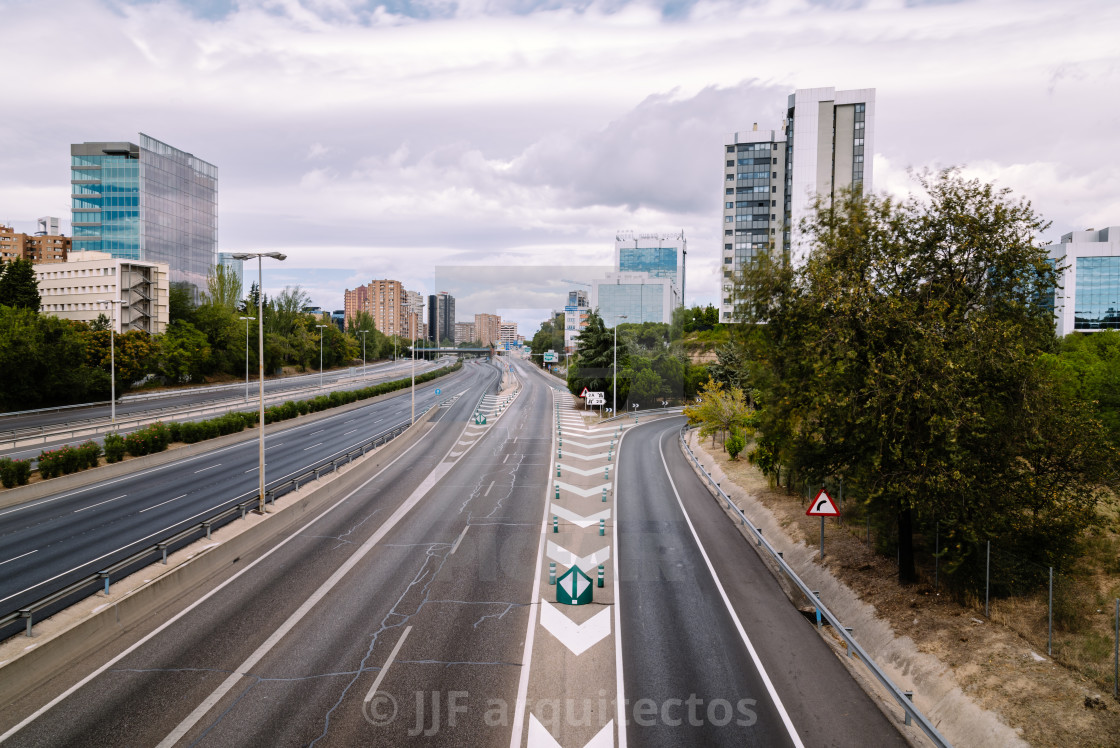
(416, 582)
(693, 593)
(24, 435)
(50, 542)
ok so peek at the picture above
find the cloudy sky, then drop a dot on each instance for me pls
(409, 138)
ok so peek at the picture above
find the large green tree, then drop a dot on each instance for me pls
(905, 356)
(19, 287)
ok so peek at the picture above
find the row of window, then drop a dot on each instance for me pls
(748, 147)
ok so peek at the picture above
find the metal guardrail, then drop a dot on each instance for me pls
(902, 697)
(282, 486)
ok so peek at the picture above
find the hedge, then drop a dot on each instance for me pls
(14, 472)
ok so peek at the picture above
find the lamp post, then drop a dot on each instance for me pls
(363, 332)
(260, 342)
(614, 368)
(112, 356)
(247, 355)
(321, 328)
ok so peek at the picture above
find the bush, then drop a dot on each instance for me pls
(14, 472)
(114, 448)
(735, 443)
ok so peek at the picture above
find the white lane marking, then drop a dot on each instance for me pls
(459, 540)
(253, 470)
(313, 433)
(539, 736)
(504, 461)
(388, 662)
(70, 691)
(488, 488)
(274, 446)
(196, 472)
(106, 501)
(161, 504)
(351, 431)
(313, 446)
(18, 557)
(731, 611)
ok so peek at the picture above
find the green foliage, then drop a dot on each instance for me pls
(907, 355)
(19, 288)
(114, 447)
(1088, 366)
(182, 354)
(550, 336)
(14, 472)
(68, 459)
(223, 288)
(43, 360)
(720, 411)
(148, 440)
(735, 444)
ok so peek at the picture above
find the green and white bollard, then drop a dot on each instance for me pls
(600, 583)
(557, 470)
(604, 496)
(602, 527)
(555, 523)
(552, 572)
(557, 491)
(606, 472)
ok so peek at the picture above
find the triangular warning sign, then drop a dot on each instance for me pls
(823, 506)
(584, 393)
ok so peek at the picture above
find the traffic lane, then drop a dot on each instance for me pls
(825, 702)
(58, 542)
(158, 684)
(688, 678)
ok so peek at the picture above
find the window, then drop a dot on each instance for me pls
(730, 177)
(728, 206)
(730, 149)
(730, 163)
(727, 260)
(773, 160)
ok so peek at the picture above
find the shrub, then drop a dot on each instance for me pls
(14, 472)
(114, 448)
(735, 443)
(87, 455)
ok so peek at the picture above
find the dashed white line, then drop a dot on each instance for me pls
(106, 501)
(196, 472)
(161, 504)
(351, 431)
(504, 461)
(388, 662)
(274, 446)
(313, 446)
(459, 540)
(488, 488)
(313, 433)
(37, 550)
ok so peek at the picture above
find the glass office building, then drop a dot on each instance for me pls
(634, 298)
(658, 255)
(149, 202)
(1088, 296)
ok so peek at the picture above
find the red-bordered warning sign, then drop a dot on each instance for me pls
(584, 393)
(823, 506)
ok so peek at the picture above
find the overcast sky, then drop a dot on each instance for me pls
(404, 139)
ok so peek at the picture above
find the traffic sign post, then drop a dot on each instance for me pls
(822, 506)
(574, 588)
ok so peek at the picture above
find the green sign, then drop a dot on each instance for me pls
(550, 357)
(574, 588)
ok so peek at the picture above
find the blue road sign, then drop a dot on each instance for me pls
(437, 390)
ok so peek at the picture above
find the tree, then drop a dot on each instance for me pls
(43, 360)
(223, 288)
(720, 411)
(905, 356)
(19, 286)
(591, 364)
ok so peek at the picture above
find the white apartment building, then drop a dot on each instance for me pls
(771, 177)
(78, 289)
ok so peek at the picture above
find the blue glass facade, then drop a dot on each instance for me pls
(146, 202)
(1097, 293)
(659, 262)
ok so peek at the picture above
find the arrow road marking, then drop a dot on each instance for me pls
(562, 555)
(578, 637)
(578, 519)
(539, 737)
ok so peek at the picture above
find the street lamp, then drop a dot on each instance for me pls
(614, 368)
(247, 355)
(363, 332)
(321, 328)
(260, 342)
(112, 357)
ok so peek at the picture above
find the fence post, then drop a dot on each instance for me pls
(987, 579)
(937, 557)
(1050, 617)
(1116, 653)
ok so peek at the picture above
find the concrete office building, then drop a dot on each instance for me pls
(576, 312)
(146, 202)
(771, 177)
(441, 317)
(36, 248)
(76, 289)
(660, 255)
(488, 329)
(1088, 297)
(638, 296)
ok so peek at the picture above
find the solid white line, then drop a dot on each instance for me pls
(313, 446)
(196, 472)
(18, 557)
(106, 501)
(388, 662)
(731, 611)
(459, 540)
(161, 504)
(68, 692)
(488, 488)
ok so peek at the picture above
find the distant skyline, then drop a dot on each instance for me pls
(389, 140)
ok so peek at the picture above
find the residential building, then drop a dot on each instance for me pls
(36, 248)
(660, 255)
(634, 298)
(414, 315)
(441, 317)
(464, 333)
(488, 329)
(146, 202)
(508, 333)
(386, 302)
(1088, 296)
(772, 177)
(78, 289)
(576, 312)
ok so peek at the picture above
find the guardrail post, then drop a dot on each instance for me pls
(848, 644)
(242, 511)
(758, 542)
(909, 695)
(26, 613)
(105, 575)
(816, 604)
(206, 526)
(162, 547)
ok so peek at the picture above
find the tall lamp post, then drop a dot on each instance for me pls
(614, 368)
(247, 355)
(321, 328)
(112, 356)
(363, 332)
(260, 342)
